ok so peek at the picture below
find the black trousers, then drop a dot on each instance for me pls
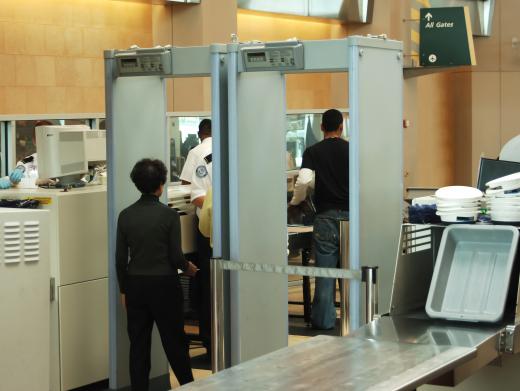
(202, 287)
(156, 299)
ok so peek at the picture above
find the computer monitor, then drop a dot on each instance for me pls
(490, 169)
(62, 152)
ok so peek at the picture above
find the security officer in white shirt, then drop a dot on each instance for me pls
(201, 179)
(200, 185)
(200, 151)
(197, 171)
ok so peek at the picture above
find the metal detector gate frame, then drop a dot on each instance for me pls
(256, 184)
(136, 128)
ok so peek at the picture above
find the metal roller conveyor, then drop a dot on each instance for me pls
(399, 351)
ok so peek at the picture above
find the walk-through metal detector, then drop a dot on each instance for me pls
(136, 124)
(257, 166)
(249, 183)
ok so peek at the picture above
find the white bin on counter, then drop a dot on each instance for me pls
(472, 272)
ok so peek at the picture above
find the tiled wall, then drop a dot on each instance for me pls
(213, 21)
(51, 61)
(51, 51)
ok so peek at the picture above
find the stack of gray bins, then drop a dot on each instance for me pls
(472, 273)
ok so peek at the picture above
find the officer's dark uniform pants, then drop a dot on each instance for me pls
(203, 290)
(156, 299)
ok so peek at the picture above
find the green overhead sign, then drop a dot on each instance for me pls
(446, 37)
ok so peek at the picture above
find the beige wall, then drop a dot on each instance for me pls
(204, 24)
(51, 52)
(428, 142)
(462, 98)
(306, 91)
(494, 94)
(458, 116)
(428, 104)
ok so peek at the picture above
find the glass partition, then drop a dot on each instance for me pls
(304, 130)
(4, 129)
(25, 140)
(183, 138)
(83, 121)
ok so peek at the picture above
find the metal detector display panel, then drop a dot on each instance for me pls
(144, 64)
(266, 58)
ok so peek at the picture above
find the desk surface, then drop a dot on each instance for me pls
(16, 192)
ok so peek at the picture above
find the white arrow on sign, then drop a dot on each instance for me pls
(429, 16)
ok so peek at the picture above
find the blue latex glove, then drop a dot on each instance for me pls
(16, 175)
(5, 183)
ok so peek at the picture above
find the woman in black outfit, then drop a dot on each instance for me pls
(148, 256)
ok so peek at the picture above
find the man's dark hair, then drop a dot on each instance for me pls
(148, 175)
(331, 120)
(205, 128)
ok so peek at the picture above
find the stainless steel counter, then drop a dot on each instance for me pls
(421, 330)
(336, 363)
(397, 352)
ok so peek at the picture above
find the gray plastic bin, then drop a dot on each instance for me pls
(471, 276)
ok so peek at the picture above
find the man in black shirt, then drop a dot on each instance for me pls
(327, 164)
(148, 256)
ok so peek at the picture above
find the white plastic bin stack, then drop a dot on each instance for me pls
(503, 199)
(458, 204)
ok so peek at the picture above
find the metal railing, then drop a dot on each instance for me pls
(344, 262)
(218, 353)
(369, 277)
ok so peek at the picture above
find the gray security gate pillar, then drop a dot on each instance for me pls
(136, 128)
(220, 181)
(257, 209)
(376, 161)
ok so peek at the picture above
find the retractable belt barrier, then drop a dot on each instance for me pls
(367, 274)
(308, 271)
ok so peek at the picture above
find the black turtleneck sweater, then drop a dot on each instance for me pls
(148, 240)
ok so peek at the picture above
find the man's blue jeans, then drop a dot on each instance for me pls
(326, 247)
